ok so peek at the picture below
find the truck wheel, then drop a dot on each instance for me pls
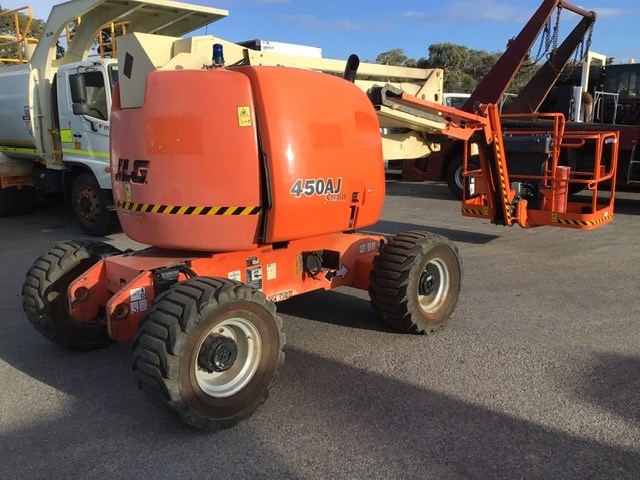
(44, 294)
(415, 282)
(25, 200)
(90, 205)
(454, 173)
(208, 351)
(7, 201)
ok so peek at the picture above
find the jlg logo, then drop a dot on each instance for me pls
(137, 174)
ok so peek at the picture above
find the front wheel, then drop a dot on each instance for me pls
(209, 351)
(90, 205)
(44, 294)
(415, 282)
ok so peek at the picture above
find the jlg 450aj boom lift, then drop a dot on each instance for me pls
(251, 184)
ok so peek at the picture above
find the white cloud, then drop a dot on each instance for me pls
(473, 10)
(311, 21)
(608, 12)
(496, 11)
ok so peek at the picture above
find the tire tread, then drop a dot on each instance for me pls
(164, 332)
(44, 280)
(392, 275)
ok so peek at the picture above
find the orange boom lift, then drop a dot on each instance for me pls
(252, 184)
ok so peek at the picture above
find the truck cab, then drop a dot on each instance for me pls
(83, 122)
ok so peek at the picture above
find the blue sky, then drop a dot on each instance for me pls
(368, 28)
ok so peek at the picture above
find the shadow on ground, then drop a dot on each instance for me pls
(613, 383)
(324, 419)
(405, 188)
(462, 236)
(354, 312)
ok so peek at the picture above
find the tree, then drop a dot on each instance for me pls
(526, 72)
(480, 62)
(395, 57)
(8, 45)
(448, 56)
(463, 67)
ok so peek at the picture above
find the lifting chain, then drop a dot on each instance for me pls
(556, 31)
(548, 40)
(582, 51)
(586, 46)
(545, 42)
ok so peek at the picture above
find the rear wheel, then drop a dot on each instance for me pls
(209, 351)
(8, 201)
(44, 294)
(415, 282)
(90, 205)
(455, 180)
(25, 200)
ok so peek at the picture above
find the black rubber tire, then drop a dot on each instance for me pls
(8, 201)
(454, 173)
(90, 205)
(44, 294)
(25, 200)
(411, 267)
(166, 350)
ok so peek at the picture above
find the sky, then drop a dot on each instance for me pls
(368, 28)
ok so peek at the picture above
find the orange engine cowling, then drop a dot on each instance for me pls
(228, 159)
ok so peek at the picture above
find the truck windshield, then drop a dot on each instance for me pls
(456, 100)
(625, 81)
(96, 94)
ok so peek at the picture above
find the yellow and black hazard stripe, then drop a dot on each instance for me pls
(187, 210)
(503, 181)
(583, 223)
(474, 211)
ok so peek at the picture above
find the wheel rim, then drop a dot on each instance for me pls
(433, 285)
(88, 205)
(458, 178)
(458, 174)
(235, 368)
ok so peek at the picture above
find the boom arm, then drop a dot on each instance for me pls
(535, 91)
(148, 16)
(504, 192)
(497, 81)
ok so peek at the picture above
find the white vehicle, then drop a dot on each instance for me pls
(455, 100)
(282, 47)
(54, 113)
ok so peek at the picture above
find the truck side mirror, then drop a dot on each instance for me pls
(80, 108)
(78, 89)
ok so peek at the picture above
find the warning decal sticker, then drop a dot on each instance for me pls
(138, 298)
(244, 116)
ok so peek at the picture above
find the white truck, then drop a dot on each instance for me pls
(56, 140)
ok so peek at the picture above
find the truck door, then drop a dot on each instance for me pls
(85, 137)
